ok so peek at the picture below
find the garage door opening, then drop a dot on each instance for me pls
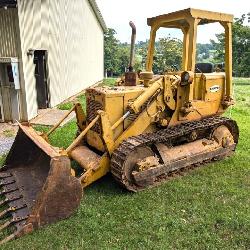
(41, 74)
(1, 108)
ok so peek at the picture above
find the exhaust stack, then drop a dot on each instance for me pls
(132, 49)
(131, 76)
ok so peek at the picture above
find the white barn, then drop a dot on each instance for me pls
(49, 51)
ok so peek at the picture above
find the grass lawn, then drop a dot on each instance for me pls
(2, 158)
(207, 209)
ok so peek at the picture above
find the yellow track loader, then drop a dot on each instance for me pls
(144, 130)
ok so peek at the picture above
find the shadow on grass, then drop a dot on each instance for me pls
(107, 186)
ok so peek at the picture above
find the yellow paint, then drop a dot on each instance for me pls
(165, 100)
(91, 176)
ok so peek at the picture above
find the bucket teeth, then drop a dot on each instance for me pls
(8, 224)
(17, 211)
(42, 176)
(11, 222)
(8, 238)
(5, 175)
(6, 182)
(6, 211)
(3, 202)
(5, 191)
(11, 209)
(10, 199)
(9, 188)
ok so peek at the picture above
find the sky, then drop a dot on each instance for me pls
(118, 13)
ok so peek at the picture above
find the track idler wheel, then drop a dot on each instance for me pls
(140, 158)
(223, 136)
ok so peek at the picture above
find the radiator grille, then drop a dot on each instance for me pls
(92, 107)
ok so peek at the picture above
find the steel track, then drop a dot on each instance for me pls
(172, 136)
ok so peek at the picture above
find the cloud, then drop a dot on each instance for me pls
(117, 14)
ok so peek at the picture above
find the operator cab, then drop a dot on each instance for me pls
(207, 81)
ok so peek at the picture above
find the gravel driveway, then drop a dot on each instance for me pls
(5, 144)
(7, 137)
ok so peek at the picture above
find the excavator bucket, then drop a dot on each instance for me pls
(36, 185)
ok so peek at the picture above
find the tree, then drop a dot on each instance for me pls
(124, 57)
(111, 52)
(241, 46)
(124, 53)
(142, 52)
(168, 55)
(203, 52)
(116, 59)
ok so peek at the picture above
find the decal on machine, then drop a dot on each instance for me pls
(214, 88)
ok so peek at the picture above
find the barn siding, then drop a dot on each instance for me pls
(69, 30)
(8, 33)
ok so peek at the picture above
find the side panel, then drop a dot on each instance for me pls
(198, 87)
(209, 92)
(208, 87)
(114, 107)
(114, 101)
(8, 33)
(73, 37)
(215, 89)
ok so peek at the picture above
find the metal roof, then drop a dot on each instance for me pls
(93, 4)
(98, 14)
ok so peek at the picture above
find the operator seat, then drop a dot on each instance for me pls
(204, 68)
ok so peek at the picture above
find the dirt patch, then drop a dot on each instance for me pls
(8, 130)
